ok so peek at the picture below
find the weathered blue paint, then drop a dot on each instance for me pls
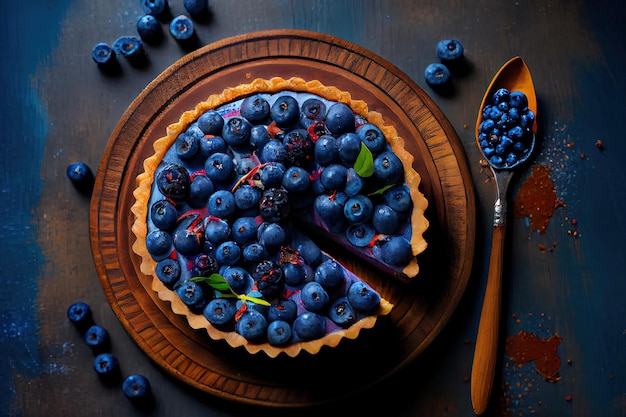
(28, 42)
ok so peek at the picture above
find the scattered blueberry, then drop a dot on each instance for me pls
(131, 48)
(137, 388)
(81, 176)
(79, 313)
(107, 367)
(149, 29)
(449, 50)
(157, 8)
(97, 338)
(437, 75)
(103, 55)
(182, 28)
(196, 8)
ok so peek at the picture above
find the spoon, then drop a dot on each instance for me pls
(514, 76)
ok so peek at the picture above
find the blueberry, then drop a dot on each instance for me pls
(309, 326)
(186, 146)
(340, 119)
(255, 109)
(155, 8)
(385, 220)
(354, 183)
(500, 96)
(200, 190)
(372, 137)
(296, 179)
(329, 208)
(334, 177)
(329, 274)
(103, 54)
(326, 150)
(163, 214)
(396, 251)
(159, 244)
(244, 230)
(211, 122)
(252, 325)
(168, 271)
(518, 100)
(219, 167)
(310, 252)
(181, 28)
(362, 297)
(149, 29)
(360, 235)
(137, 388)
(272, 237)
(131, 48)
(210, 145)
(216, 230)
(196, 8)
(284, 309)
(358, 209)
(269, 278)
(107, 366)
(437, 75)
(273, 151)
(222, 204)
(238, 279)
(219, 311)
(312, 110)
(187, 242)
(298, 147)
(294, 274)
(192, 295)
(274, 205)
(342, 313)
(173, 181)
(278, 333)
(247, 197)
(349, 147)
(81, 176)
(285, 111)
(228, 253)
(272, 175)
(449, 50)
(97, 338)
(254, 252)
(236, 131)
(388, 168)
(398, 198)
(259, 136)
(204, 265)
(79, 313)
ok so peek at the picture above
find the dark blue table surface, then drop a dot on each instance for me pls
(57, 108)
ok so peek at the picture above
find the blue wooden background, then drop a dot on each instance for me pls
(56, 108)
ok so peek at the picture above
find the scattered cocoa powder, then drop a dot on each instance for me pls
(537, 199)
(527, 347)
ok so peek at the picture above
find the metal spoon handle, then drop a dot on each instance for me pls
(486, 350)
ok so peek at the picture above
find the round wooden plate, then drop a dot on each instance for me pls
(421, 308)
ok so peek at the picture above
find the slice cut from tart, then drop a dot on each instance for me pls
(237, 193)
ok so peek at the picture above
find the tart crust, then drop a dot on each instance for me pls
(143, 190)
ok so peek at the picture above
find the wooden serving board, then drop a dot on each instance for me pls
(421, 308)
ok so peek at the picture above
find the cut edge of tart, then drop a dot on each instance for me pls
(144, 183)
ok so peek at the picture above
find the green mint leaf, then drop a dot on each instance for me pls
(382, 190)
(364, 164)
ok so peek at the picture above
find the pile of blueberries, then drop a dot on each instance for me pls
(149, 29)
(136, 387)
(505, 132)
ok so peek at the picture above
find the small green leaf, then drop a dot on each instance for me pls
(255, 300)
(382, 190)
(364, 164)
